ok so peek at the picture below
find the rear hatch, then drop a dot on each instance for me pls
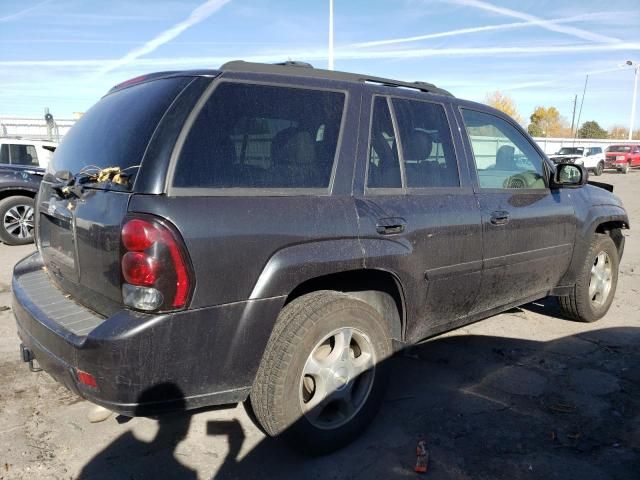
(78, 229)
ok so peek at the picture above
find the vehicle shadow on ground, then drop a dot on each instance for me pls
(488, 407)
(129, 457)
(546, 306)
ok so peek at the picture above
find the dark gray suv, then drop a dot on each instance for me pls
(273, 233)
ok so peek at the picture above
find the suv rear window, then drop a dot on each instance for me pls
(619, 148)
(116, 131)
(259, 136)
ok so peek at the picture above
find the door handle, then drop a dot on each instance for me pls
(500, 217)
(391, 226)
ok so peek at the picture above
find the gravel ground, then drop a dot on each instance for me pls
(521, 395)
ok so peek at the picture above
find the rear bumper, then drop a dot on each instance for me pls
(614, 163)
(146, 363)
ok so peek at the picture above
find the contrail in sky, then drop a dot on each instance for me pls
(202, 12)
(486, 28)
(507, 12)
(21, 13)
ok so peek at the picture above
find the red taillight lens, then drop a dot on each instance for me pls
(182, 277)
(154, 266)
(137, 235)
(139, 269)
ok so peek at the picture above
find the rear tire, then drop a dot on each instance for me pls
(16, 220)
(626, 168)
(599, 169)
(323, 373)
(596, 284)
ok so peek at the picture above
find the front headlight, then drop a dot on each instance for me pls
(578, 161)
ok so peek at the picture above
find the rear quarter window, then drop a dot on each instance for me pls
(262, 136)
(116, 131)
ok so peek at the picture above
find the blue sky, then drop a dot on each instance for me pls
(65, 54)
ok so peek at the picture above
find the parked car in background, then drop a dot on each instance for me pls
(22, 166)
(26, 152)
(591, 157)
(623, 157)
(273, 233)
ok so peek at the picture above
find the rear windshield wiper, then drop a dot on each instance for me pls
(68, 185)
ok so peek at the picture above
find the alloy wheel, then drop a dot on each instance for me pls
(601, 279)
(337, 378)
(18, 221)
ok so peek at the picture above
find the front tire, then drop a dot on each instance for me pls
(323, 373)
(16, 220)
(596, 284)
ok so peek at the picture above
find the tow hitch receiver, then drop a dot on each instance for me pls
(27, 357)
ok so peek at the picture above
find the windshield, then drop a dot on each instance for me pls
(571, 151)
(619, 148)
(116, 131)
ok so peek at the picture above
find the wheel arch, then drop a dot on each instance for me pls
(13, 192)
(379, 288)
(613, 228)
(605, 219)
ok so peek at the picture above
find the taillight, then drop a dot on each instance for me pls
(155, 267)
(138, 268)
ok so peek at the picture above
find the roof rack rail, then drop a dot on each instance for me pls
(294, 63)
(292, 67)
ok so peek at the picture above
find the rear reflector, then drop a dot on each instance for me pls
(86, 379)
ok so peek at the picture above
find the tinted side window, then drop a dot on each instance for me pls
(4, 153)
(384, 164)
(23, 155)
(504, 157)
(257, 136)
(427, 147)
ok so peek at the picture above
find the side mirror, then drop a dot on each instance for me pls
(569, 175)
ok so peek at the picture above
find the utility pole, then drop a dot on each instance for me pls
(586, 80)
(330, 66)
(636, 68)
(573, 117)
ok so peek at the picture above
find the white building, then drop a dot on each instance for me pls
(35, 128)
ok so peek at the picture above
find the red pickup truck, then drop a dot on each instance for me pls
(622, 157)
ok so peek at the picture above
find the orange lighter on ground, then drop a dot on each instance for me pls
(422, 455)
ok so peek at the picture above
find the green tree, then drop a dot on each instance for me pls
(591, 129)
